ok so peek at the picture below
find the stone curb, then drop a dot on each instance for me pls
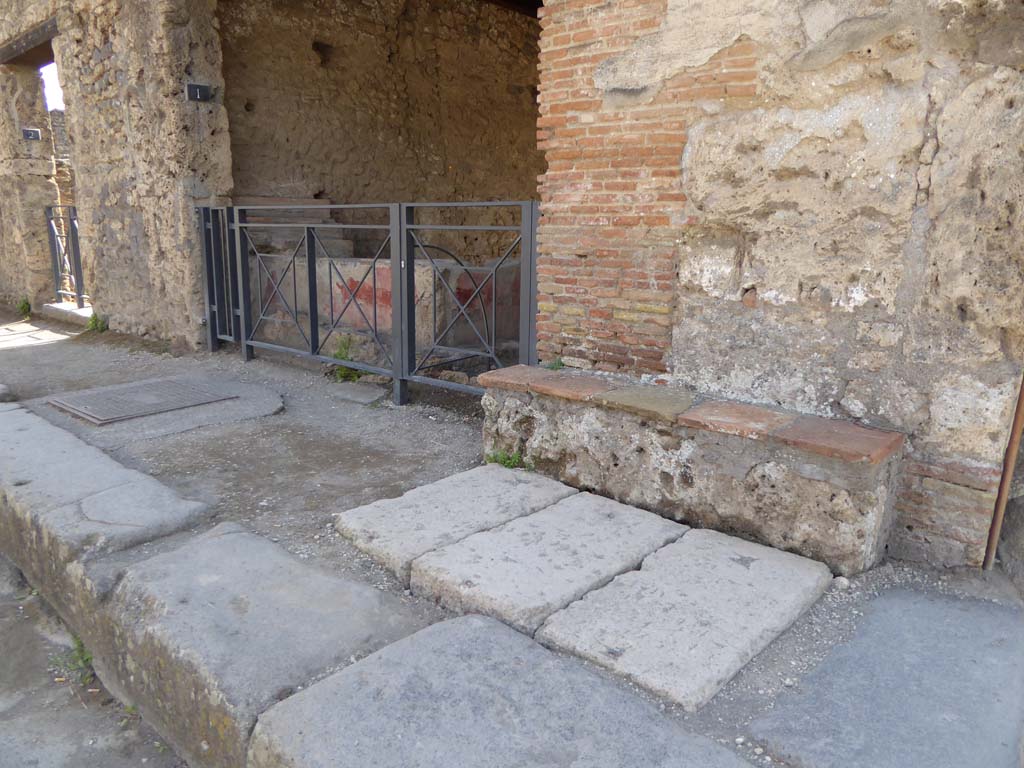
(201, 633)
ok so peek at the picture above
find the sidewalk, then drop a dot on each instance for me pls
(264, 597)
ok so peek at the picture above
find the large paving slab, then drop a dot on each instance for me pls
(527, 569)
(472, 693)
(692, 616)
(397, 531)
(213, 633)
(64, 503)
(926, 681)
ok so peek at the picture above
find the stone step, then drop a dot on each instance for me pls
(823, 488)
(527, 569)
(396, 531)
(472, 693)
(218, 630)
(695, 613)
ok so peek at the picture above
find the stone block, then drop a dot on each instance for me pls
(210, 634)
(738, 419)
(529, 568)
(692, 616)
(570, 387)
(839, 439)
(651, 402)
(472, 693)
(515, 378)
(397, 531)
(925, 681)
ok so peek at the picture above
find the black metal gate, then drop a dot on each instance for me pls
(426, 292)
(65, 254)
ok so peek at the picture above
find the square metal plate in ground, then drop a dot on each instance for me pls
(107, 405)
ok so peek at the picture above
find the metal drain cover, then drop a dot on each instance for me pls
(107, 405)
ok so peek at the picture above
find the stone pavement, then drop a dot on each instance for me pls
(681, 626)
(525, 570)
(472, 693)
(924, 682)
(692, 616)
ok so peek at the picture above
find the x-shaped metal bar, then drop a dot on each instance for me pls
(463, 310)
(275, 289)
(333, 270)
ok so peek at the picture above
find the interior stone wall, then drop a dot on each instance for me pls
(381, 100)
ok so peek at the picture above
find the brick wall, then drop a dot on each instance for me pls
(613, 197)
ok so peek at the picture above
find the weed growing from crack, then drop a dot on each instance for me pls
(507, 460)
(76, 664)
(24, 308)
(344, 352)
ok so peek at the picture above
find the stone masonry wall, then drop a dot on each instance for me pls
(381, 101)
(144, 156)
(808, 204)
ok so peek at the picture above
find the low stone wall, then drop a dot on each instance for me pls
(823, 488)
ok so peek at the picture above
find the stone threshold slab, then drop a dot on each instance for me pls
(472, 693)
(394, 532)
(694, 614)
(527, 569)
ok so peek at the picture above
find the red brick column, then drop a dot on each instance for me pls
(612, 199)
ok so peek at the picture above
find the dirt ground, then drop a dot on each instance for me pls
(281, 475)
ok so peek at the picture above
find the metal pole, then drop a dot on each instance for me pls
(54, 255)
(1009, 465)
(210, 294)
(397, 233)
(236, 217)
(76, 257)
(314, 309)
(528, 285)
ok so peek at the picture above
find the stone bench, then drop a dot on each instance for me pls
(820, 487)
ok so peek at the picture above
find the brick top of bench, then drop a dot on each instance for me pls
(835, 438)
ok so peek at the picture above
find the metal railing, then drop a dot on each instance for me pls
(400, 289)
(65, 254)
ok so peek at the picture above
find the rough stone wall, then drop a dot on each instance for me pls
(144, 156)
(381, 101)
(26, 188)
(812, 204)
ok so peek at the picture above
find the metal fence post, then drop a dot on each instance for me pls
(76, 257)
(210, 294)
(396, 233)
(236, 218)
(314, 308)
(528, 284)
(54, 255)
